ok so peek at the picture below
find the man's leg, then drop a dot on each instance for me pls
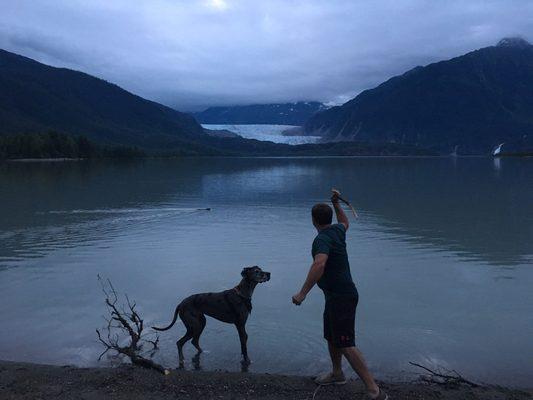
(335, 376)
(356, 360)
(336, 358)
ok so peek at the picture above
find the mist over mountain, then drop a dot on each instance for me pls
(37, 98)
(281, 114)
(469, 104)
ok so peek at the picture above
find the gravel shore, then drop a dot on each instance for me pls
(31, 381)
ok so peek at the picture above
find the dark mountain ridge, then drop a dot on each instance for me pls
(37, 98)
(45, 103)
(468, 104)
(280, 114)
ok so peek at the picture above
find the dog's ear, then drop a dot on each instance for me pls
(244, 271)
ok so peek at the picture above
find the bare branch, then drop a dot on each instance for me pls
(128, 323)
(445, 379)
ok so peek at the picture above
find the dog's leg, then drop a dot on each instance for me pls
(198, 329)
(196, 362)
(243, 336)
(181, 342)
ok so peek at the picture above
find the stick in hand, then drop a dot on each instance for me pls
(337, 194)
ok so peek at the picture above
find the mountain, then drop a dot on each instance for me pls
(279, 114)
(468, 104)
(48, 103)
(38, 98)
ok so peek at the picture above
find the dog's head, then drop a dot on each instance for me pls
(255, 274)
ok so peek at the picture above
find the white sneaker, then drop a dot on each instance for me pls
(329, 378)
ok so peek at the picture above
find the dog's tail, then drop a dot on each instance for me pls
(173, 320)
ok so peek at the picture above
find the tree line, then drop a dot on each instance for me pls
(59, 145)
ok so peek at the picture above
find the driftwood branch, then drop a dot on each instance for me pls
(124, 330)
(448, 378)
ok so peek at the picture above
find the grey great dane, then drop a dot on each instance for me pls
(232, 306)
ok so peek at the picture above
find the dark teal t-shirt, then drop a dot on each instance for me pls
(337, 278)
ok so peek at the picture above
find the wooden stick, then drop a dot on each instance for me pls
(446, 379)
(349, 205)
(335, 191)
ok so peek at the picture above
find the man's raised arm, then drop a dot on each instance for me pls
(339, 212)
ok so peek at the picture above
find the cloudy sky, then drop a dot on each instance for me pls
(191, 54)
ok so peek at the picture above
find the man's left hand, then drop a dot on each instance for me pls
(298, 298)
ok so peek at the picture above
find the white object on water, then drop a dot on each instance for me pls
(454, 152)
(497, 150)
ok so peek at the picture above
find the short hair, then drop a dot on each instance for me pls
(322, 214)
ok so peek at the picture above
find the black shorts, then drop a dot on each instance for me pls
(339, 320)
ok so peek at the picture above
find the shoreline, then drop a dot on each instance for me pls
(156, 157)
(159, 157)
(22, 381)
(57, 159)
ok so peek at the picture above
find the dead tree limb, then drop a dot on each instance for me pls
(449, 378)
(124, 330)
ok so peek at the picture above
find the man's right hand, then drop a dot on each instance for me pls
(298, 298)
(341, 217)
(335, 194)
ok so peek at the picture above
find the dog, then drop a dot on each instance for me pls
(232, 306)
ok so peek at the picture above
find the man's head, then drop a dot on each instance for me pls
(322, 214)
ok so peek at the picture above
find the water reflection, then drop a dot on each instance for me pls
(461, 205)
(446, 243)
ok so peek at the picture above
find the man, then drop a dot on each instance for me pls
(331, 270)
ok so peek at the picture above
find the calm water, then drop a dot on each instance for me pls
(442, 255)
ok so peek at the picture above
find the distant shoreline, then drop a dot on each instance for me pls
(24, 381)
(58, 159)
(160, 157)
(55, 147)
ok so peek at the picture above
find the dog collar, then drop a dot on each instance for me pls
(236, 288)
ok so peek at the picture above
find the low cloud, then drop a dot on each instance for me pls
(193, 54)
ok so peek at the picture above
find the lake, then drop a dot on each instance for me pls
(442, 254)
